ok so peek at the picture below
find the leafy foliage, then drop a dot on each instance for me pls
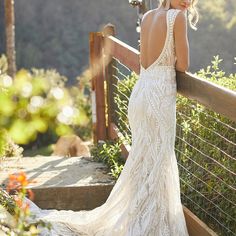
(215, 74)
(201, 133)
(124, 89)
(54, 34)
(36, 102)
(205, 146)
(7, 202)
(7, 147)
(109, 152)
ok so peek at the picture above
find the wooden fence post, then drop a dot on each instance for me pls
(111, 80)
(98, 98)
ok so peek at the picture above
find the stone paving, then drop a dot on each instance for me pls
(62, 182)
(50, 171)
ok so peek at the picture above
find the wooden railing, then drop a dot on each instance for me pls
(104, 48)
(215, 97)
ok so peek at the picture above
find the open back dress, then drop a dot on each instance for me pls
(145, 201)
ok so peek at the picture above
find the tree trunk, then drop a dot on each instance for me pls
(10, 36)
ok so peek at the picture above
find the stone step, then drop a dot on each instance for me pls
(69, 183)
(75, 183)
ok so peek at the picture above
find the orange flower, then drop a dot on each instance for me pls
(21, 178)
(19, 182)
(12, 177)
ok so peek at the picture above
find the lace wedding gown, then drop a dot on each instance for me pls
(145, 200)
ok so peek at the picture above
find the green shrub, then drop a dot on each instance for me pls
(109, 152)
(215, 74)
(7, 202)
(7, 147)
(205, 148)
(199, 134)
(124, 89)
(36, 107)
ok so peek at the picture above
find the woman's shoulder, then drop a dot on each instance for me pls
(159, 16)
(147, 14)
(181, 18)
(151, 14)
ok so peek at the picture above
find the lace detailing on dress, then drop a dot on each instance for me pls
(168, 57)
(145, 200)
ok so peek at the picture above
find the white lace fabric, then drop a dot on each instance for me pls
(145, 200)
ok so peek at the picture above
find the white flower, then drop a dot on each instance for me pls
(57, 93)
(68, 111)
(6, 81)
(27, 89)
(36, 101)
(65, 116)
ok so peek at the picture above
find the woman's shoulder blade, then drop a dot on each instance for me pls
(153, 17)
(147, 14)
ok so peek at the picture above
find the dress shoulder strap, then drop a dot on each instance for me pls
(171, 16)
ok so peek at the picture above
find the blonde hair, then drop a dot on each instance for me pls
(192, 12)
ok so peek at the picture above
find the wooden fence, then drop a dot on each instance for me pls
(104, 47)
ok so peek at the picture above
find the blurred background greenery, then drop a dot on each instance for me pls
(54, 33)
(36, 108)
(50, 94)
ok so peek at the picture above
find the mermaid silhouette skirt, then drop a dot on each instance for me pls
(145, 201)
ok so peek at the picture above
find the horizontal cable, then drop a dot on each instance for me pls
(208, 171)
(220, 194)
(122, 64)
(120, 81)
(203, 154)
(203, 140)
(120, 112)
(208, 213)
(119, 72)
(219, 121)
(213, 131)
(216, 206)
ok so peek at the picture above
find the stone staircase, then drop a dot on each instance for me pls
(73, 183)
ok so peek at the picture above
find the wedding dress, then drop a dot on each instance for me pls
(145, 201)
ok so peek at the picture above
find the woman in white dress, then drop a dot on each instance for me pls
(145, 200)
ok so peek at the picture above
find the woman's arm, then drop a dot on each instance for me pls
(181, 42)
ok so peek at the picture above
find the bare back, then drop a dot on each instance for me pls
(153, 36)
(157, 26)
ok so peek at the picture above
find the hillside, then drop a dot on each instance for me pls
(54, 33)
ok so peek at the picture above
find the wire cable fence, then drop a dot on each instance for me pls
(125, 81)
(205, 150)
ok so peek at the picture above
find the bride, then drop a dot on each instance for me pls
(145, 200)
